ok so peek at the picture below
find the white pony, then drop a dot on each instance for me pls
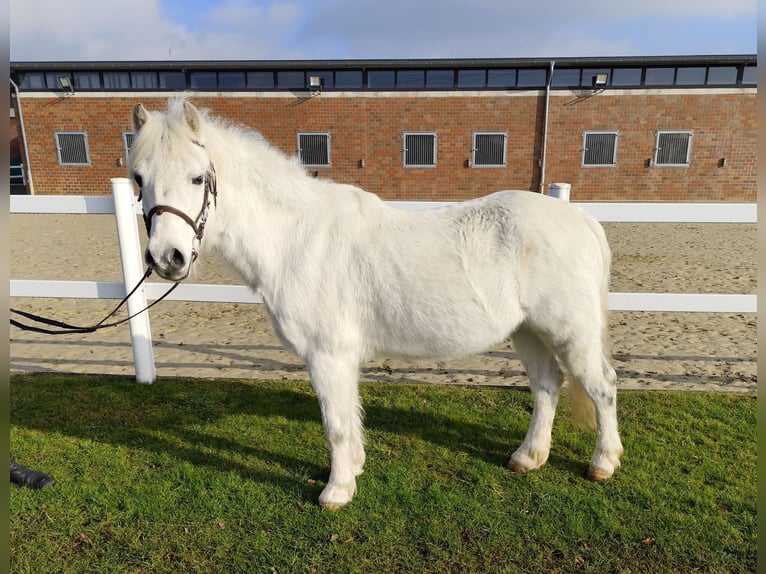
(346, 278)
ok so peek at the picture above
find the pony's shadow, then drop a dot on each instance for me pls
(105, 409)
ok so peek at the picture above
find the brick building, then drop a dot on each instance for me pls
(629, 129)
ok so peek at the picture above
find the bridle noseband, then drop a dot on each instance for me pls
(197, 224)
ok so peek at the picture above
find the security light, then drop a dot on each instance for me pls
(315, 83)
(599, 80)
(66, 83)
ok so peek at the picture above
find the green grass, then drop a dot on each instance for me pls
(192, 475)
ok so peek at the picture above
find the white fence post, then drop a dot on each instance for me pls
(132, 271)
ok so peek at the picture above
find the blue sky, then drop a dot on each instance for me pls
(43, 30)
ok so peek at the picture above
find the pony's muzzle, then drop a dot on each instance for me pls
(170, 264)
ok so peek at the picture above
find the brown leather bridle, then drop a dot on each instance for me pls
(197, 224)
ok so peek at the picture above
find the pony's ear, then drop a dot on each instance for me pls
(140, 116)
(192, 117)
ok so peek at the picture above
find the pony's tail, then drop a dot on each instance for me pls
(583, 409)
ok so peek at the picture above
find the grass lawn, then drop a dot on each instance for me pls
(191, 475)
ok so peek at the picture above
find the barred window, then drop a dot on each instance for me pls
(419, 150)
(314, 149)
(489, 149)
(127, 139)
(673, 148)
(72, 148)
(599, 149)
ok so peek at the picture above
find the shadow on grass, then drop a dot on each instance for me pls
(183, 418)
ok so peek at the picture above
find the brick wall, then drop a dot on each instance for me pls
(370, 129)
(723, 126)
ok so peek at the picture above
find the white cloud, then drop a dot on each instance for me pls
(136, 30)
(327, 29)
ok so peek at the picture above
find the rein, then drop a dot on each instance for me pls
(67, 329)
(198, 225)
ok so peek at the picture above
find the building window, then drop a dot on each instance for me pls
(749, 75)
(660, 76)
(143, 80)
(127, 140)
(72, 148)
(203, 81)
(626, 77)
(599, 149)
(410, 78)
(440, 79)
(291, 80)
(314, 149)
(87, 81)
(472, 78)
(692, 76)
(502, 78)
(533, 78)
(489, 149)
(260, 80)
(116, 81)
(419, 150)
(566, 78)
(381, 79)
(231, 80)
(172, 80)
(347, 79)
(722, 75)
(673, 148)
(32, 81)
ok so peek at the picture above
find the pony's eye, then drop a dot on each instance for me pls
(198, 180)
(138, 179)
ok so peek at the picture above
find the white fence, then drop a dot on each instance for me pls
(123, 205)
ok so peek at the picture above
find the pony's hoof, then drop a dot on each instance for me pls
(523, 460)
(516, 467)
(332, 506)
(335, 497)
(598, 475)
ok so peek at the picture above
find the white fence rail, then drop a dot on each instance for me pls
(123, 205)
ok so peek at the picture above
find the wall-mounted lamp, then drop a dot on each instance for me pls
(599, 80)
(315, 84)
(66, 84)
(722, 162)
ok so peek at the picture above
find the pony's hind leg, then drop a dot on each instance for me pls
(545, 381)
(335, 381)
(590, 369)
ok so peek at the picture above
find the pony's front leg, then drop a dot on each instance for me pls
(335, 381)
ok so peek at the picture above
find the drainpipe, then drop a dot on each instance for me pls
(28, 167)
(545, 127)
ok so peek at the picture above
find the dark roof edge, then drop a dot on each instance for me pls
(381, 63)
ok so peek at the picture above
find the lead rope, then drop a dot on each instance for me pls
(67, 329)
(197, 225)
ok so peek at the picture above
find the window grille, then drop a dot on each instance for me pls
(489, 149)
(127, 139)
(673, 148)
(419, 149)
(72, 148)
(314, 149)
(599, 149)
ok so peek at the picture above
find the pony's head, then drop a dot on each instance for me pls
(176, 179)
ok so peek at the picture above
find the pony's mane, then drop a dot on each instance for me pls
(217, 132)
